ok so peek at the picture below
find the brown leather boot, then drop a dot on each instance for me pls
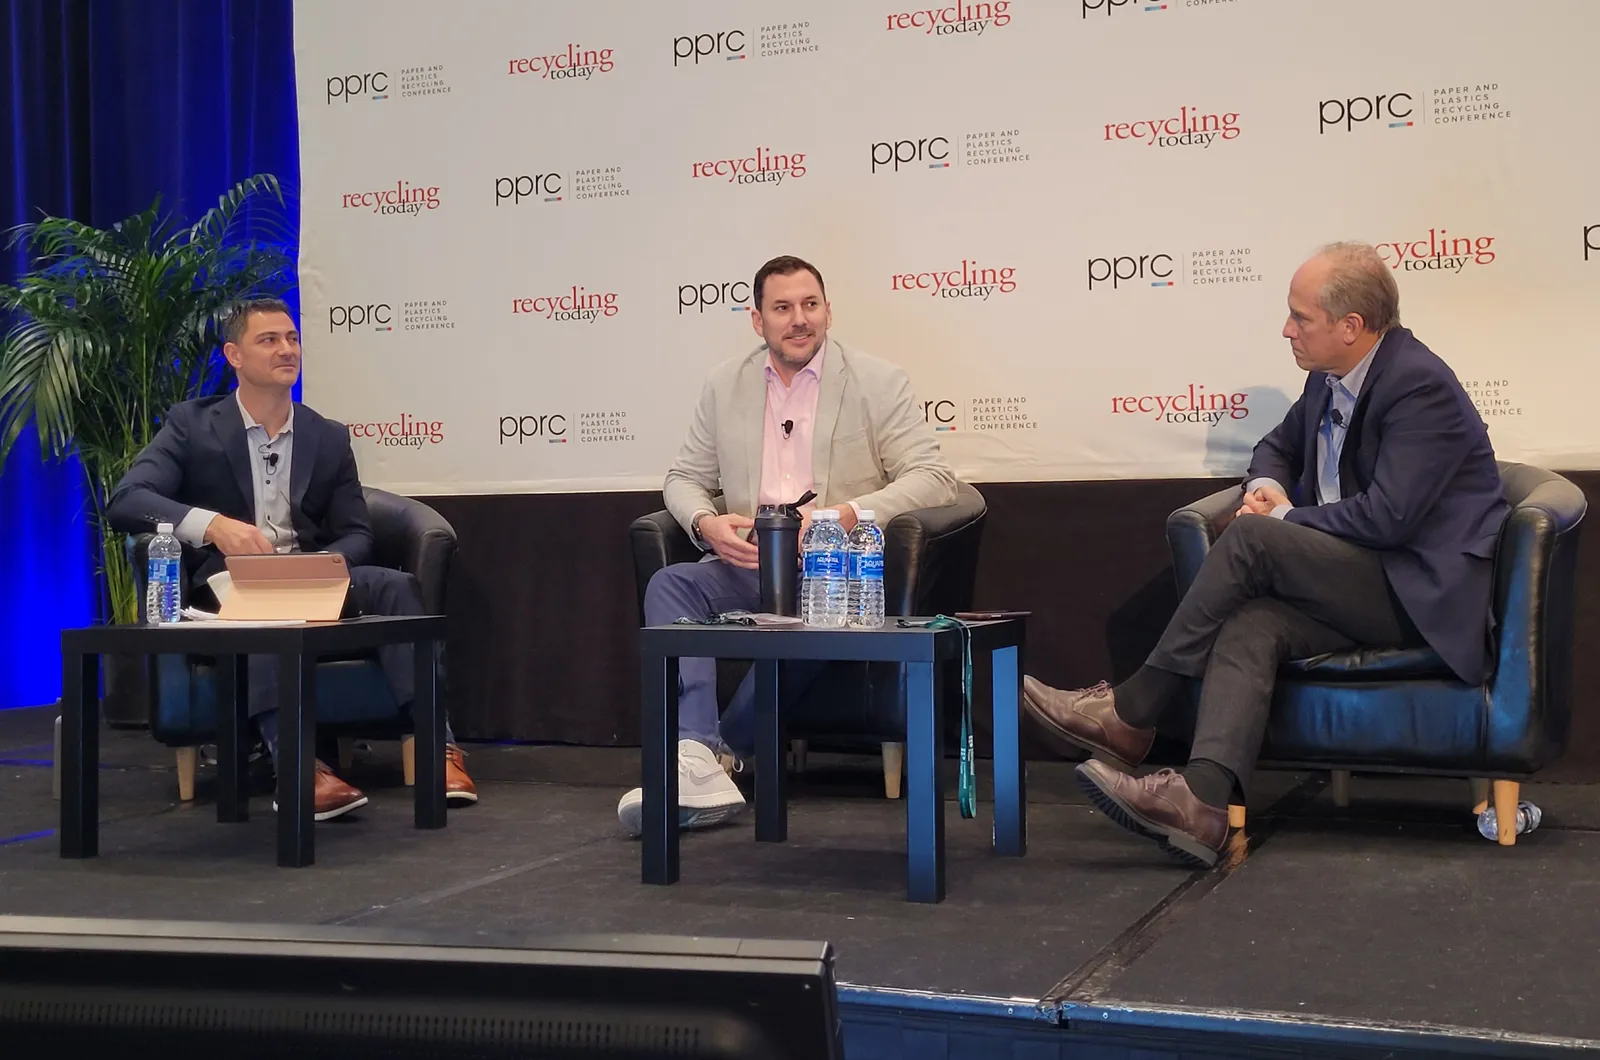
(1086, 718)
(1160, 807)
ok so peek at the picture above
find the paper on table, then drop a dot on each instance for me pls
(194, 614)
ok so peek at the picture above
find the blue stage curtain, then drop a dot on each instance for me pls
(109, 103)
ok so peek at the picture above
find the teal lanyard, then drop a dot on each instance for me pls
(967, 782)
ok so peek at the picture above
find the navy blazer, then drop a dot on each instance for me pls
(201, 459)
(1420, 487)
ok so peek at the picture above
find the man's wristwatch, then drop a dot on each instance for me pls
(694, 528)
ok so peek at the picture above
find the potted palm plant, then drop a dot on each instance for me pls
(111, 327)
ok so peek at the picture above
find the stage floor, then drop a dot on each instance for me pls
(1392, 915)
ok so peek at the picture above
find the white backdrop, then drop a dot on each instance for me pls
(528, 228)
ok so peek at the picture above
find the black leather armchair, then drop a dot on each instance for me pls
(353, 696)
(1403, 711)
(930, 566)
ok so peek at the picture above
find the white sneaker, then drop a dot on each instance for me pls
(705, 794)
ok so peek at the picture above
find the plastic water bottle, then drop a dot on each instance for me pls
(163, 591)
(1528, 818)
(824, 577)
(866, 573)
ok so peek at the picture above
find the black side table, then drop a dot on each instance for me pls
(996, 647)
(297, 648)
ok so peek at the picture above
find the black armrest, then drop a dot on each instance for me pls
(658, 541)
(1535, 558)
(930, 556)
(1194, 528)
(408, 535)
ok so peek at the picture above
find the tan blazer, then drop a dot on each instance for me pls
(870, 441)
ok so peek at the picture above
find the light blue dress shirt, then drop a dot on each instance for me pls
(269, 479)
(1331, 433)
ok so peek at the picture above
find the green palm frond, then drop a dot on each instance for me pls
(113, 326)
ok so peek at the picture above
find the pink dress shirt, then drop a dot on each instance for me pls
(786, 456)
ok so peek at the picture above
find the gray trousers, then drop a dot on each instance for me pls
(1270, 591)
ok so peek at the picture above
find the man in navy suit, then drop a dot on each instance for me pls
(254, 472)
(1368, 518)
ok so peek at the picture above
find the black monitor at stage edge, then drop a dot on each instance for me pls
(85, 987)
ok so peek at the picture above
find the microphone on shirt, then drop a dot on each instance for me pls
(788, 425)
(1337, 417)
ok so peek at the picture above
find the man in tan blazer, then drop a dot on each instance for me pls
(800, 413)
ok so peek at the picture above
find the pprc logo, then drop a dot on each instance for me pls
(371, 86)
(1591, 240)
(374, 316)
(534, 427)
(711, 46)
(1153, 270)
(925, 152)
(985, 148)
(727, 296)
(534, 187)
(942, 414)
(1112, 7)
(1389, 110)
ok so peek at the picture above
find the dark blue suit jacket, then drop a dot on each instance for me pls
(1420, 487)
(201, 458)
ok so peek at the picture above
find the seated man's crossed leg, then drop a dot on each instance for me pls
(1268, 591)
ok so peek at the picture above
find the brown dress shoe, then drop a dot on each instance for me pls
(1086, 718)
(458, 787)
(1160, 807)
(330, 796)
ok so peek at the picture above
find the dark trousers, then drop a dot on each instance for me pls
(373, 591)
(698, 591)
(1270, 591)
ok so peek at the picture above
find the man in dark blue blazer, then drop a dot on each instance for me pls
(1368, 518)
(253, 472)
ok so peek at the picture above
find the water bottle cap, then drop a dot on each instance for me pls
(866, 515)
(163, 528)
(825, 515)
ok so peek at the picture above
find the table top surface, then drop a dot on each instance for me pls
(890, 642)
(219, 636)
(891, 626)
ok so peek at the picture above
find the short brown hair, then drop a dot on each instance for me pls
(784, 265)
(1360, 283)
(237, 322)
